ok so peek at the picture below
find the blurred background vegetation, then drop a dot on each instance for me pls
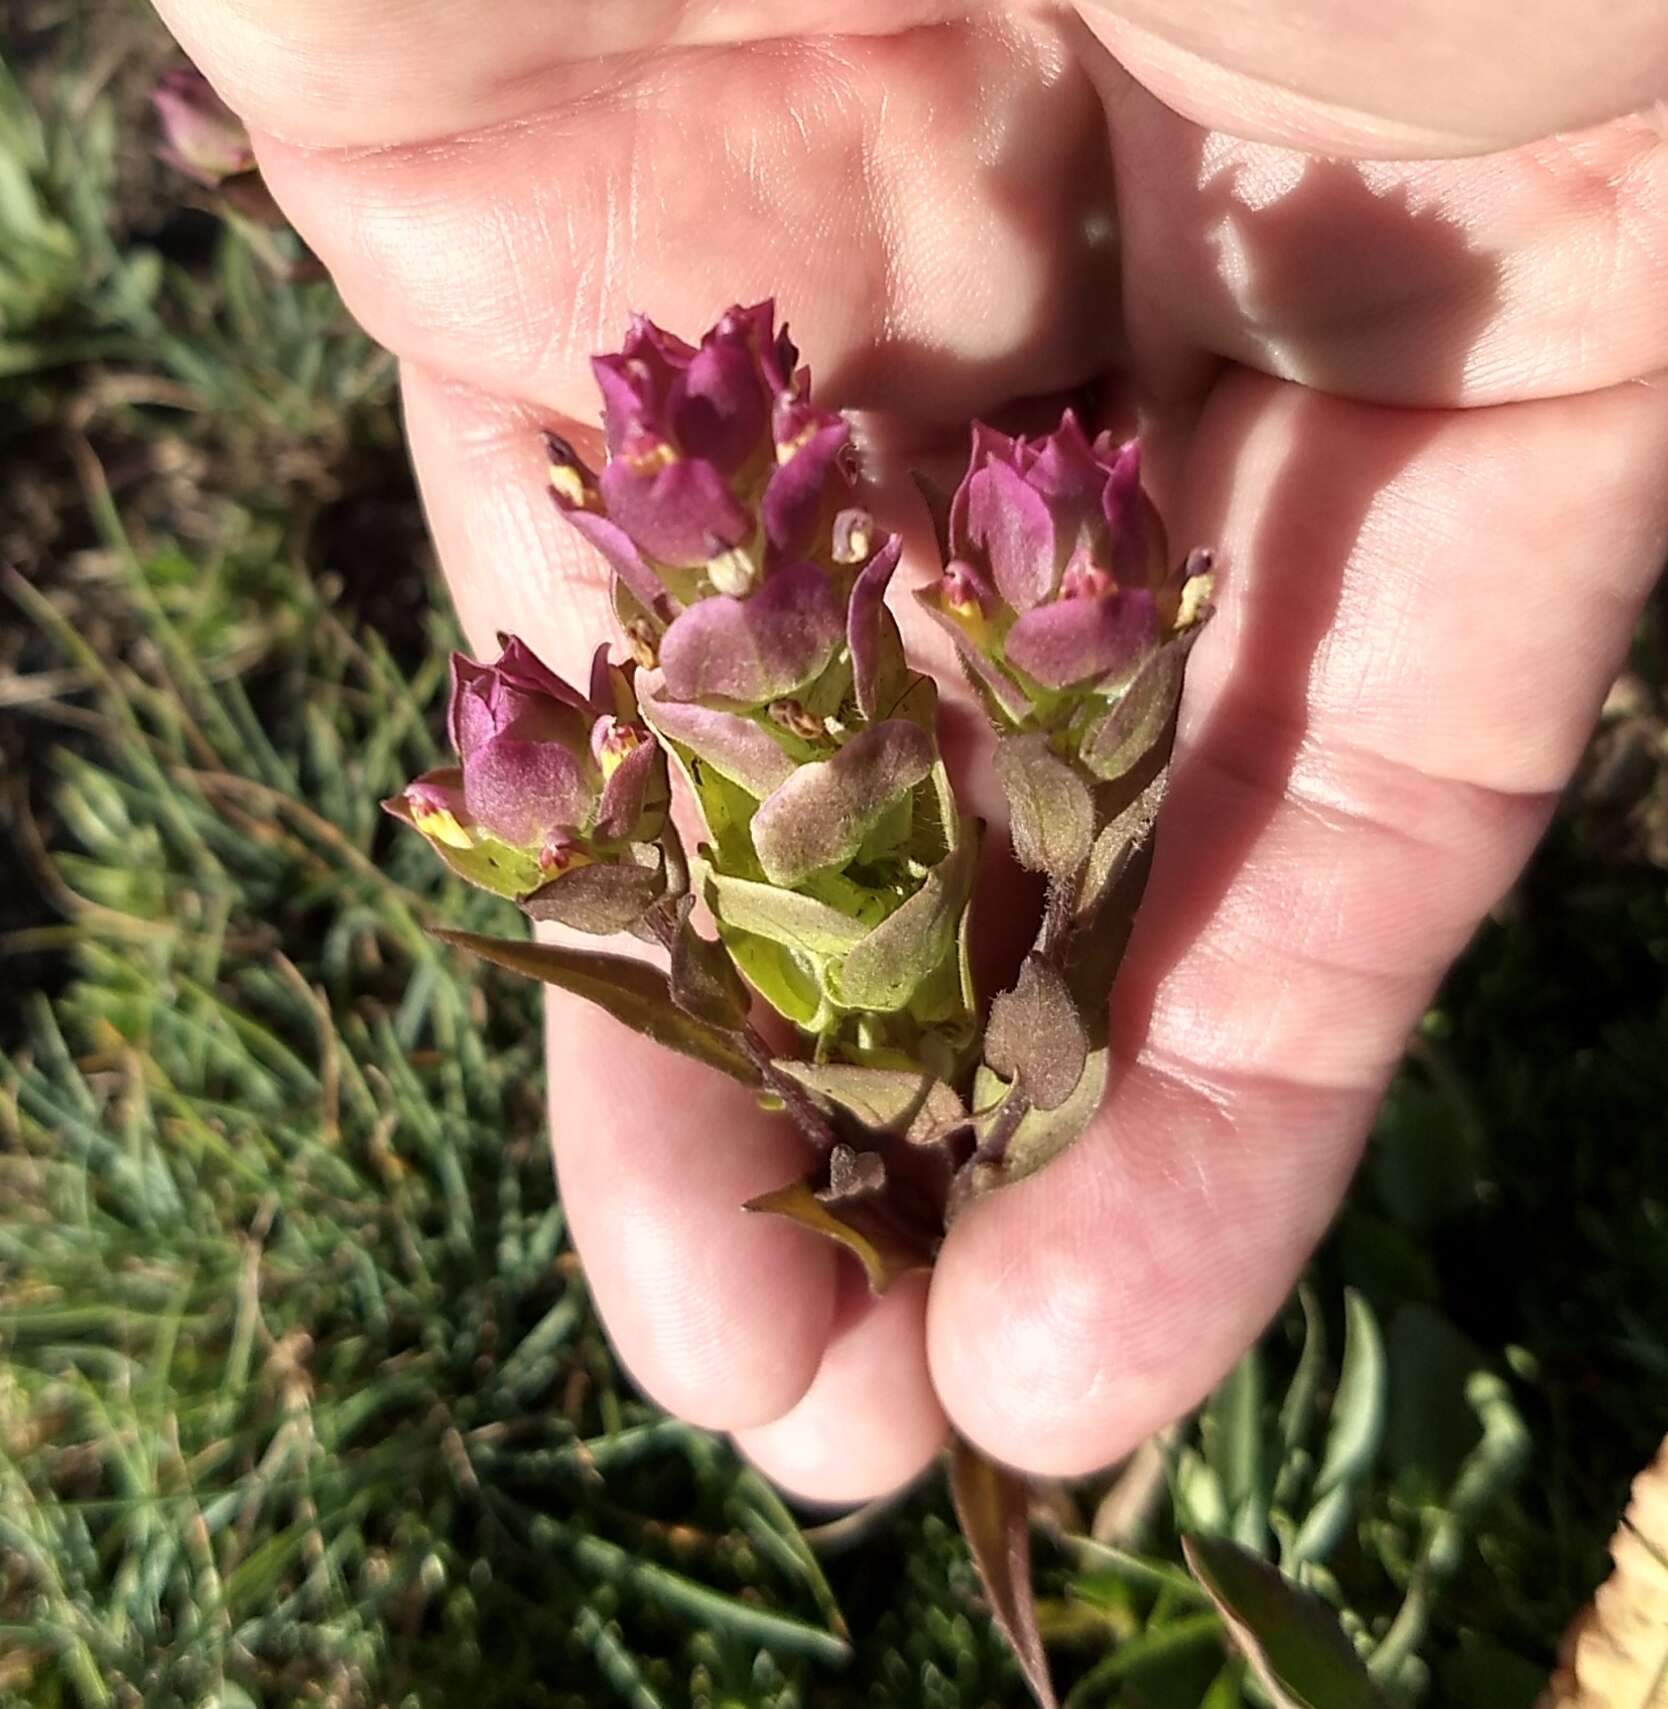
(301, 1398)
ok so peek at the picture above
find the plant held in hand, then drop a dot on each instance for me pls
(767, 673)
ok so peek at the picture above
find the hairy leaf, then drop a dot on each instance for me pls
(884, 969)
(1036, 1036)
(600, 897)
(1051, 811)
(631, 991)
(888, 1100)
(992, 1505)
(756, 649)
(878, 670)
(1043, 1134)
(703, 978)
(784, 978)
(1140, 717)
(1118, 842)
(784, 916)
(822, 815)
(1293, 1641)
(883, 1259)
(738, 747)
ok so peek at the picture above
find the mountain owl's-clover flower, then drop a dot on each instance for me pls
(837, 864)
(201, 136)
(718, 508)
(548, 781)
(1057, 586)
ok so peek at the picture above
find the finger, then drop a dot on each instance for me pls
(369, 72)
(1430, 78)
(1535, 272)
(870, 1422)
(1421, 616)
(510, 560)
(1323, 74)
(720, 1315)
(507, 257)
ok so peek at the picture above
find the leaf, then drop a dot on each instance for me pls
(784, 978)
(878, 670)
(883, 970)
(1359, 1408)
(600, 897)
(1108, 895)
(994, 1511)
(1035, 1035)
(1043, 1134)
(884, 1258)
(821, 816)
(1117, 843)
(888, 1100)
(1298, 1406)
(631, 991)
(1201, 1501)
(738, 748)
(1233, 1434)
(1360, 1411)
(1615, 1654)
(783, 916)
(1293, 1641)
(703, 978)
(1052, 814)
(1140, 717)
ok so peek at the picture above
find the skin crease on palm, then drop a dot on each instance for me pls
(1388, 292)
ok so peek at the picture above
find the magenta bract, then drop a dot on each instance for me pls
(723, 480)
(547, 778)
(1057, 578)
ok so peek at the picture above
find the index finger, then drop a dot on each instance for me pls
(1428, 77)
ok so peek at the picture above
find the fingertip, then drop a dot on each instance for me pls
(869, 1423)
(1076, 1312)
(719, 1314)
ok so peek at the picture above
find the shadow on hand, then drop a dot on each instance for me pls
(1264, 256)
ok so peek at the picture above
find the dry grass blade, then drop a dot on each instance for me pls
(1615, 1654)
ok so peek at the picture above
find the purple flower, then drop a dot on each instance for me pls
(1056, 577)
(723, 506)
(202, 136)
(547, 779)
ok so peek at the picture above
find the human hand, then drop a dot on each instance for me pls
(1415, 406)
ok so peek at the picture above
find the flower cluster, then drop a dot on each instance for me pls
(558, 799)
(752, 586)
(768, 674)
(1058, 589)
